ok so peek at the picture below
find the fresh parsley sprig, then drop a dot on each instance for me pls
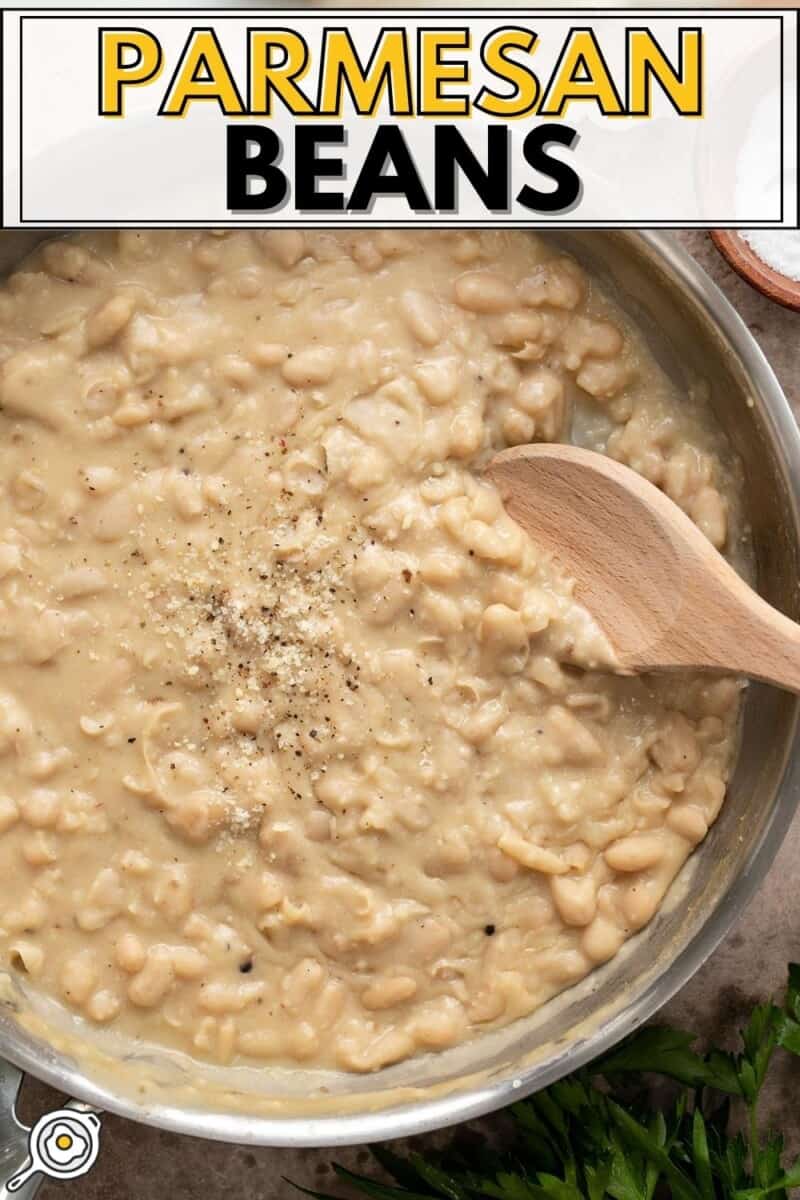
(585, 1138)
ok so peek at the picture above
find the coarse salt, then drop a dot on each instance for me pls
(778, 248)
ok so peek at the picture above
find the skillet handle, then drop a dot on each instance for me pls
(13, 1138)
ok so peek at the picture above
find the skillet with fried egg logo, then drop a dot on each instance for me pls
(62, 1144)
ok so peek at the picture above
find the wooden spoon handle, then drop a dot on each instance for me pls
(759, 641)
(724, 625)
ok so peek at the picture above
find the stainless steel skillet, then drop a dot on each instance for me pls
(705, 345)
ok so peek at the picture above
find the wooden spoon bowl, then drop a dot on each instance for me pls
(755, 271)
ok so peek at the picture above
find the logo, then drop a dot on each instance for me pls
(62, 1145)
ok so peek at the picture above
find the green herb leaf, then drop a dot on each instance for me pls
(669, 1052)
(437, 1180)
(681, 1186)
(399, 1168)
(378, 1191)
(760, 1037)
(789, 1036)
(700, 1154)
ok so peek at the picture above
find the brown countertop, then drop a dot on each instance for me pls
(137, 1163)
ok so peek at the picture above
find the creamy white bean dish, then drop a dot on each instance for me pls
(304, 755)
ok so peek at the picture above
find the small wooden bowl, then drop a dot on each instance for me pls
(755, 271)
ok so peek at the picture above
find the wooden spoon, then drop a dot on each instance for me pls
(653, 583)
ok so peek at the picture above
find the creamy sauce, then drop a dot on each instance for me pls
(303, 755)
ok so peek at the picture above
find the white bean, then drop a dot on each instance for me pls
(485, 292)
(189, 963)
(130, 953)
(103, 1006)
(528, 854)
(222, 997)
(574, 898)
(310, 368)
(107, 321)
(285, 246)
(638, 852)
(602, 940)
(422, 316)
(78, 977)
(151, 984)
(388, 991)
(439, 379)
